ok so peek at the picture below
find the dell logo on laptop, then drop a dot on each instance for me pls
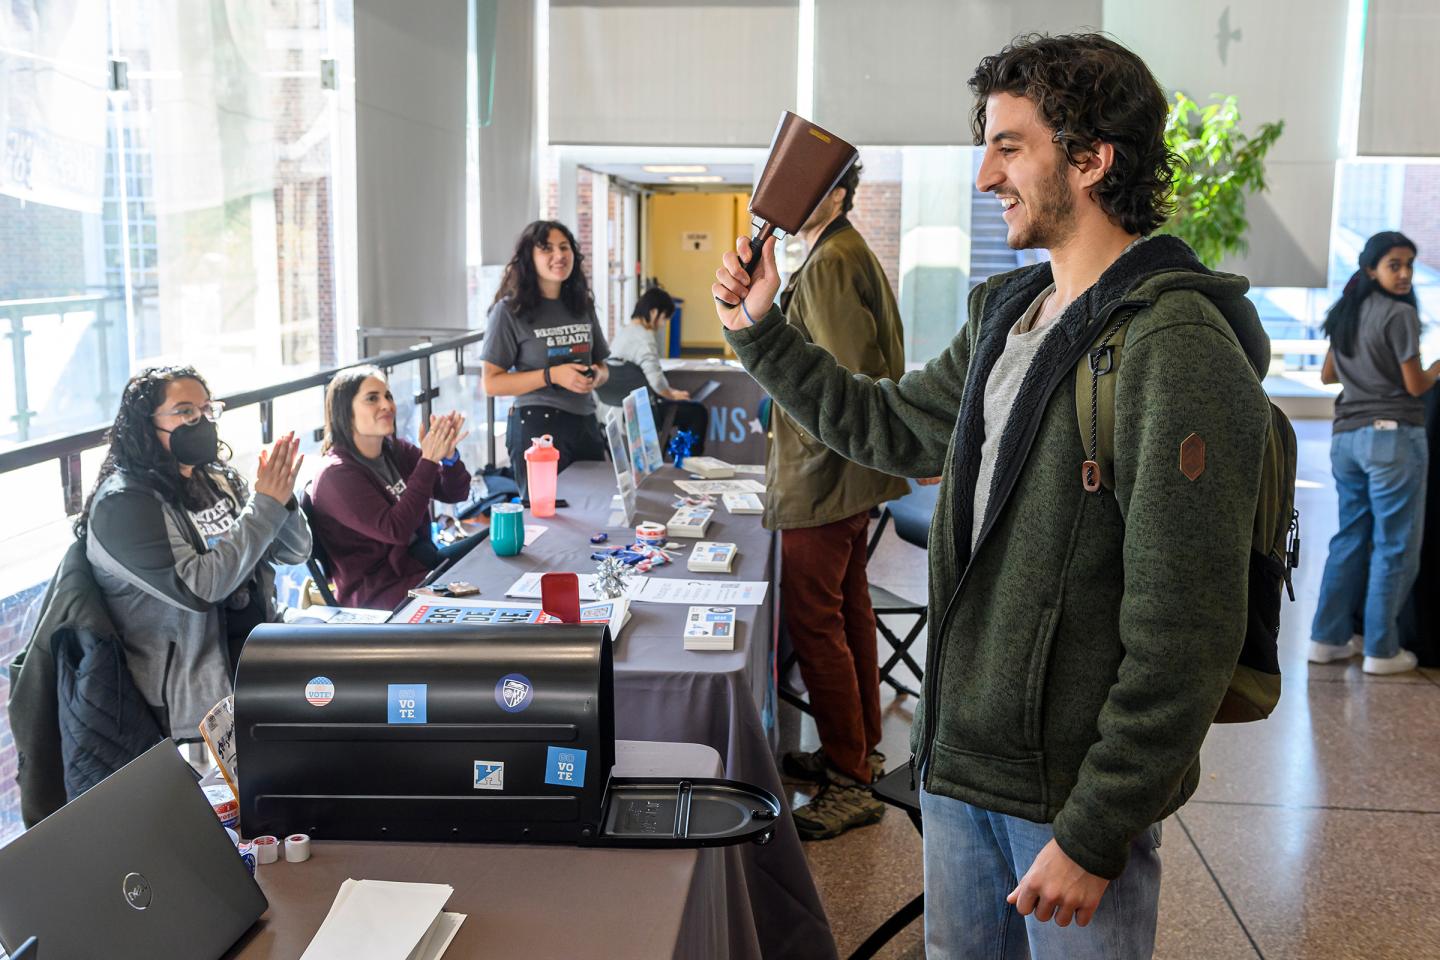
(137, 891)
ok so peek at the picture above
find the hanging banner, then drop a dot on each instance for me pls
(53, 81)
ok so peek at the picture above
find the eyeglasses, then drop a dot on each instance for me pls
(192, 414)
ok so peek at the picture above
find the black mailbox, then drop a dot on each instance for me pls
(457, 732)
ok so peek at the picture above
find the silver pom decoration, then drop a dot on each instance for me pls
(610, 575)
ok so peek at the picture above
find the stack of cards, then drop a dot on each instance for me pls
(689, 522)
(708, 468)
(743, 503)
(710, 628)
(710, 557)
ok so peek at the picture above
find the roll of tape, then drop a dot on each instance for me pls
(297, 848)
(650, 532)
(267, 849)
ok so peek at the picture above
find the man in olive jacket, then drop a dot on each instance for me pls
(1080, 642)
(839, 300)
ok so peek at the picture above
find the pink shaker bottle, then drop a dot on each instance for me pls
(542, 461)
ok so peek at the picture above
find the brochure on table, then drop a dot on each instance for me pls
(641, 589)
(625, 479)
(710, 488)
(465, 611)
(633, 440)
(649, 457)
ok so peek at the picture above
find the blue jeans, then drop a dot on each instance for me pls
(974, 858)
(1375, 555)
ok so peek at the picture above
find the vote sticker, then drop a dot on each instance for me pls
(489, 774)
(319, 692)
(407, 702)
(514, 692)
(565, 766)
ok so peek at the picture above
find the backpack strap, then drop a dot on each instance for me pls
(1095, 398)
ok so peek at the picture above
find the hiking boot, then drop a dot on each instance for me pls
(842, 804)
(1402, 662)
(812, 767)
(1329, 652)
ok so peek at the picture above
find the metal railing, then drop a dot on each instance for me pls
(66, 450)
(13, 317)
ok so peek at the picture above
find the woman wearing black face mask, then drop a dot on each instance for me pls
(182, 546)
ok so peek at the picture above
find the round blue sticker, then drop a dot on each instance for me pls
(514, 692)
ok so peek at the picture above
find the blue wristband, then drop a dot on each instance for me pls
(451, 460)
(745, 311)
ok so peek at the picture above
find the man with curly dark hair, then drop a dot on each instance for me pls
(1081, 639)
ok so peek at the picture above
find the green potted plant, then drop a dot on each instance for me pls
(1218, 166)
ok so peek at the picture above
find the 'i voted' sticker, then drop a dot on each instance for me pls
(514, 692)
(489, 774)
(407, 702)
(319, 692)
(565, 766)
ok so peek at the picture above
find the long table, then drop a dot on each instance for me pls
(537, 901)
(725, 700)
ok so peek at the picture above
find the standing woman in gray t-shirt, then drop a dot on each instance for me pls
(544, 347)
(1379, 456)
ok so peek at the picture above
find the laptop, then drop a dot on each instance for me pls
(129, 869)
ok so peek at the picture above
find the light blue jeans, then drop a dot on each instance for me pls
(1375, 555)
(974, 858)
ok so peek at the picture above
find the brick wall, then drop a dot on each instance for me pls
(584, 196)
(42, 250)
(1420, 214)
(876, 215)
(17, 615)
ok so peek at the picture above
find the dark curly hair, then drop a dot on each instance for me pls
(135, 449)
(521, 283)
(1090, 89)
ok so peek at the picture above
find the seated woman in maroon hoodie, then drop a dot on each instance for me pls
(371, 498)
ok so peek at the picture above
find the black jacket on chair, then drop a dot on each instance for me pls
(51, 733)
(104, 721)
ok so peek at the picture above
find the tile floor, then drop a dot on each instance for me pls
(1314, 835)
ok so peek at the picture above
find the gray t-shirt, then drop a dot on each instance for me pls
(385, 470)
(1389, 335)
(1009, 371)
(553, 336)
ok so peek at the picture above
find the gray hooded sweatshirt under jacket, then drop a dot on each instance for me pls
(164, 586)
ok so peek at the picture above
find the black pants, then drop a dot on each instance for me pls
(577, 436)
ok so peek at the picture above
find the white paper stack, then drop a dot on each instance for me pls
(743, 503)
(689, 522)
(709, 468)
(710, 628)
(386, 920)
(708, 557)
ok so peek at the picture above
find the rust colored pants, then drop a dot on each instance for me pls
(832, 628)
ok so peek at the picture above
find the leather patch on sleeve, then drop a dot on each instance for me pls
(1192, 457)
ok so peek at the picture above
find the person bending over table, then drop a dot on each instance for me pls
(182, 546)
(544, 347)
(371, 498)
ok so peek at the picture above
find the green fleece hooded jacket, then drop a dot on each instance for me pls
(1077, 658)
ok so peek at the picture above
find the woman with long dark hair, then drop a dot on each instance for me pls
(182, 547)
(371, 498)
(1379, 457)
(544, 347)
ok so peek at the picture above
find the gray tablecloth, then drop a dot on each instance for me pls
(664, 692)
(734, 407)
(538, 901)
